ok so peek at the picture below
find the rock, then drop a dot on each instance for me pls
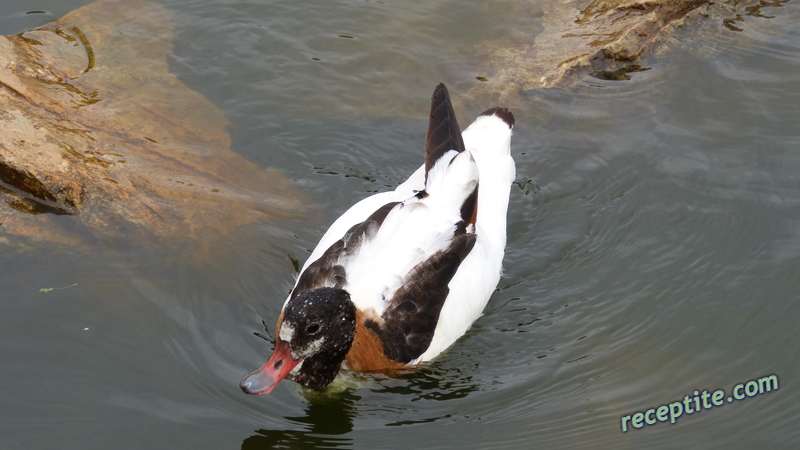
(606, 39)
(98, 138)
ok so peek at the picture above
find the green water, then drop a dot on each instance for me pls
(653, 249)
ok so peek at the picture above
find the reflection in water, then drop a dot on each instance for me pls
(330, 415)
(326, 418)
(433, 383)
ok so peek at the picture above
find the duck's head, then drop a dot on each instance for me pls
(315, 332)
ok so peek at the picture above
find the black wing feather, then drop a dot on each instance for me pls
(443, 131)
(503, 113)
(410, 319)
(328, 271)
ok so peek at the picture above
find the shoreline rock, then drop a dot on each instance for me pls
(93, 125)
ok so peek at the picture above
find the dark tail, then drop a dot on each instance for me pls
(443, 131)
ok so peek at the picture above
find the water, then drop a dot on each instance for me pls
(654, 245)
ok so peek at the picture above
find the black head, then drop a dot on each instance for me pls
(318, 320)
(316, 332)
(319, 326)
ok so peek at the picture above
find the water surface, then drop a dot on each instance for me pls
(653, 249)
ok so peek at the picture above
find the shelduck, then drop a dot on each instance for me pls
(403, 274)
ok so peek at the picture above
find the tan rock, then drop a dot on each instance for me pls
(602, 38)
(93, 125)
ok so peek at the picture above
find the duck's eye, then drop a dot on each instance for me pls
(312, 329)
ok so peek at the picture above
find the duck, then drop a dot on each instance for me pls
(402, 274)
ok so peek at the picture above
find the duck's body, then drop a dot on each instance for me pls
(401, 275)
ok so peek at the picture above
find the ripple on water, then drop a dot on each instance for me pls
(654, 236)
